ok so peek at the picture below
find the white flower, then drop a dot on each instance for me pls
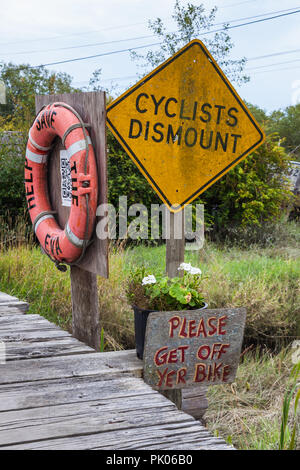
(149, 280)
(185, 267)
(195, 270)
(189, 268)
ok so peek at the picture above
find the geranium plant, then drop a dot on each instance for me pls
(158, 292)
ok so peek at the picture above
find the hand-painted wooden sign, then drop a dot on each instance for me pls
(184, 125)
(193, 347)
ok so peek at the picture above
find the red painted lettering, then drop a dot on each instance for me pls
(169, 379)
(201, 329)
(181, 374)
(203, 352)
(161, 376)
(212, 328)
(200, 374)
(226, 372)
(192, 328)
(174, 323)
(183, 333)
(161, 359)
(222, 322)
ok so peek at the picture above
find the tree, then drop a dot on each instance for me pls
(192, 22)
(252, 193)
(22, 83)
(287, 124)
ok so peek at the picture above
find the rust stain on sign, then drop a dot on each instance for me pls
(193, 347)
(184, 125)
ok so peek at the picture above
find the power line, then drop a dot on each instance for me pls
(78, 47)
(103, 29)
(276, 70)
(271, 65)
(140, 37)
(158, 43)
(96, 55)
(246, 70)
(292, 51)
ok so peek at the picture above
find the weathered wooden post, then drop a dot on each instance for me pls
(85, 304)
(192, 400)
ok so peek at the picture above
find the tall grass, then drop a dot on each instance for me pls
(288, 438)
(266, 282)
(248, 413)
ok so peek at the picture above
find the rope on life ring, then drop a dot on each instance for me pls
(66, 245)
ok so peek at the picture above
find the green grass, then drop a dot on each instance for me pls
(248, 412)
(267, 282)
(30, 276)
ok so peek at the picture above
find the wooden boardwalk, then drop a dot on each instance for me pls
(58, 393)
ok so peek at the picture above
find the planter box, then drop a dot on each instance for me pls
(140, 323)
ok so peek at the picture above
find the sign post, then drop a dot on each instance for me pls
(85, 303)
(185, 127)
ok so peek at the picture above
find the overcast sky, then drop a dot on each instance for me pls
(37, 32)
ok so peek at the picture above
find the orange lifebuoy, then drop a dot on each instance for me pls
(68, 244)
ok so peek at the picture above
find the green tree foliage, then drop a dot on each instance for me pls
(287, 123)
(22, 83)
(192, 22)
(253, 192)
(125, 179)
(12, 192)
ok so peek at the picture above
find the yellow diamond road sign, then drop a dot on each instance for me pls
(184, 125)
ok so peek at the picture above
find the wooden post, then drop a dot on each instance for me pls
(85, 307)
(174, 243)
(192, 400)
(85, 303)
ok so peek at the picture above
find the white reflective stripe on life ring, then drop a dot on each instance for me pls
(37, 146)
(77, 146)
(47, 216)
(35, 157)
(73, 238)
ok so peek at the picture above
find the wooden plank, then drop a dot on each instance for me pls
(22, 319)
(30, 336)
(12, 311)
(91, 107)
(192, 434)
(84, 401)
(8, 304)
(71, 390)
(31, 321)
(84, 425)
(36, 416)
(111, 364)
(5, 297)
(7, 308)
(23, 350)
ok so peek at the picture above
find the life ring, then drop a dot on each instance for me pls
(61, 245)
